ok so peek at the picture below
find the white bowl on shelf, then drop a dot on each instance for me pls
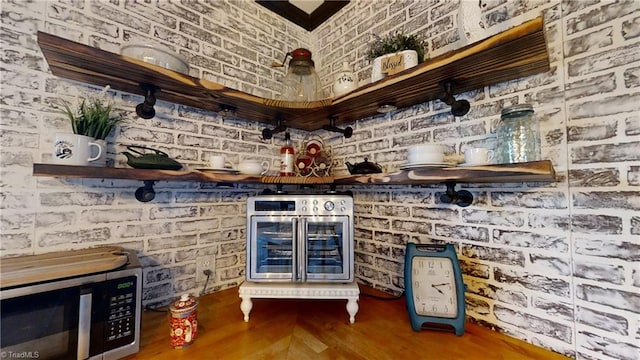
(158, 55)
(425, 153)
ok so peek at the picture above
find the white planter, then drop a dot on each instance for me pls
(74, 149)
(410, 59)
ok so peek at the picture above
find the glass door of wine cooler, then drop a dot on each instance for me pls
(272, 248)
(300, 249)
(327, 249)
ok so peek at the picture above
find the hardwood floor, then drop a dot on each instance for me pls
(320, 329)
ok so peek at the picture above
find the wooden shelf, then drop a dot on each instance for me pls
(521, 172)
(69, 171)
(515, 53)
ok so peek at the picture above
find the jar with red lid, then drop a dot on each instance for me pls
(183, 321)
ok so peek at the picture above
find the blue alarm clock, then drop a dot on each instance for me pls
(434, 288)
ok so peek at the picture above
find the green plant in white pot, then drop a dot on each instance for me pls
(94, 117)
(394, 53)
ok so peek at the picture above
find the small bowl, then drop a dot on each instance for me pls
(156, 55)
(425, 153)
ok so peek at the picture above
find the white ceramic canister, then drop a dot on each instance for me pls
(346, 81)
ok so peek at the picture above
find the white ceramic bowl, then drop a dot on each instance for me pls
(425, 153)
(157, 55)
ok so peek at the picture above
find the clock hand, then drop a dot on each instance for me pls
(436, 287)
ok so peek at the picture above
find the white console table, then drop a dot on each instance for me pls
(348, 291)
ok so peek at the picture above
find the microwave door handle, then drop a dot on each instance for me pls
(302, 254)
(294, 250)
(84, 326)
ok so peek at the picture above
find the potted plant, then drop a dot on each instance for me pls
(94, 117)
(394, 53)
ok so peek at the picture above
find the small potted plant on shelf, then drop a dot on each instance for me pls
(394, 53)
(93, 117)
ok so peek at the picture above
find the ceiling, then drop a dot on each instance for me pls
(308, 6)
(308, 14)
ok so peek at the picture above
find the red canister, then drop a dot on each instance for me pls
(183, 321)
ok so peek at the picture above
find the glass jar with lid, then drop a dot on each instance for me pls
(518, 135)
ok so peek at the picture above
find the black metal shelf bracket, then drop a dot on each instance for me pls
(146, 193)
(268, 133)
(145, 109)
(462, 198)
(458, 107)
(347, 132)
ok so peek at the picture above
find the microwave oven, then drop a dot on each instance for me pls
(93, 316)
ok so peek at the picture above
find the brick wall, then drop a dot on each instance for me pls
(553, 264)
(229, 42)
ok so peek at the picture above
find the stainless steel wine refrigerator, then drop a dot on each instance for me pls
(300, 238)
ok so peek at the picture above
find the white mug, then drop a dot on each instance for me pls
(219, 162)
(253, 167)
(73, 149)
(478, 156)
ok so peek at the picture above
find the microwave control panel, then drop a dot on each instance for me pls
(121, 314)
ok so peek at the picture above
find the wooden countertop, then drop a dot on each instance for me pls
(28, 269)
(320, 329)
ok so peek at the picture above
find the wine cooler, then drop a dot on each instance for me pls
(300, 238)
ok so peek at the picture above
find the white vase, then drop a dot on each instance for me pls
(346, 81)
(410, 59)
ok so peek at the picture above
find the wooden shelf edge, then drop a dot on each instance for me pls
(517, 52)
(67, 171)
(535, 171)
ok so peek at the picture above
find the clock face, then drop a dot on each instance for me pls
(434, 287)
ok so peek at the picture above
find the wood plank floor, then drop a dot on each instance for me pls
(320, 329)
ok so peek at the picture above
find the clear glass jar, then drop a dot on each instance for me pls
(301, 82)
(518, 135)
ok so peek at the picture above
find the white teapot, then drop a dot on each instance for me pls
(253, 167)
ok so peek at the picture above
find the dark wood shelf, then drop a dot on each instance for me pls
(521, 172)
(515, 53)
(68, 171)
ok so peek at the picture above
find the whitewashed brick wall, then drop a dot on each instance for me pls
(229, 42)
(553, 264)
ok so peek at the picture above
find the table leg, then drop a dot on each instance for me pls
(246, 305)
(352, 309)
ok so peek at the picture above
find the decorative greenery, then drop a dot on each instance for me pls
(93, 117)
(394, 43)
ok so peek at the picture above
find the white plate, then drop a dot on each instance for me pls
(408, 166)
(222, 170)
